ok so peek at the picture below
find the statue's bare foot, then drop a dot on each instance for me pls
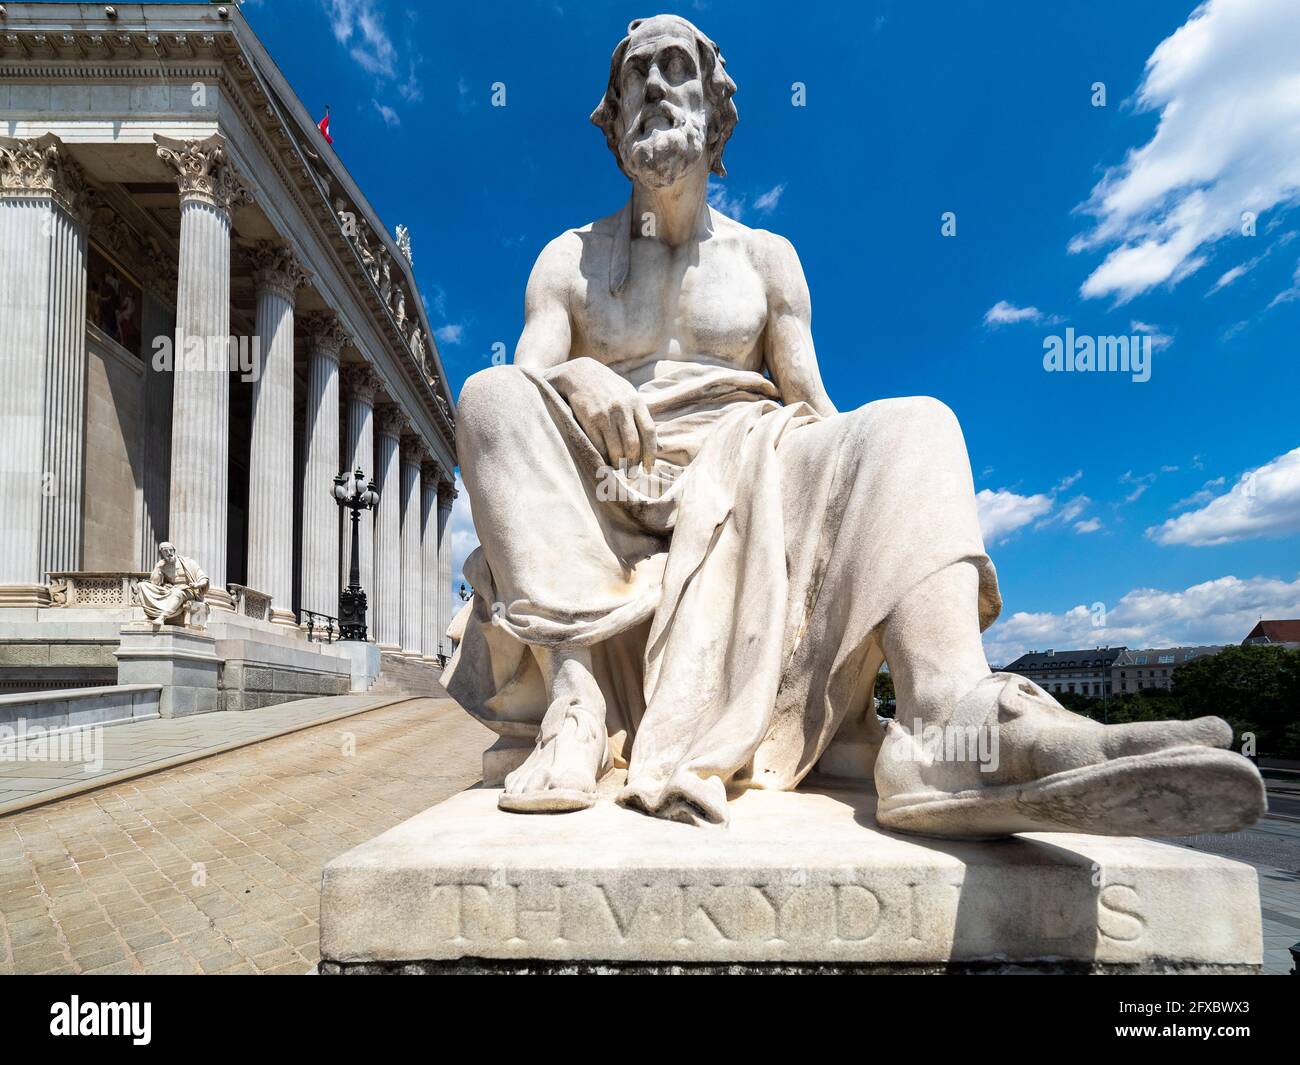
(571, 755)
(1026, 764)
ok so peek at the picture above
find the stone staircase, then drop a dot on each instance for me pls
(409, 676)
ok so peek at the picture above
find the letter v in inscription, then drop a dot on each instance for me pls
(623, 921)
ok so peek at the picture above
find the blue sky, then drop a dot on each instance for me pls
(1175, 502)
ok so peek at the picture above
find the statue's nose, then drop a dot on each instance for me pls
(655, 86)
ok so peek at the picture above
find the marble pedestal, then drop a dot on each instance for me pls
(364, 659)
(800, 881)
(182, 661)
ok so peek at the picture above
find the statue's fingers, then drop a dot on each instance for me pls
(629, 441)
(649, 438)
(611, 443)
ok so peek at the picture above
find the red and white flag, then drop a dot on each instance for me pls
(324, 126)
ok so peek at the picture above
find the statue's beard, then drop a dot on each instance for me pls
(659, 158)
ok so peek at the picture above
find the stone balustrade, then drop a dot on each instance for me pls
(94, 588)
(250, 602)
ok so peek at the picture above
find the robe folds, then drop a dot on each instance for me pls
(732, 596)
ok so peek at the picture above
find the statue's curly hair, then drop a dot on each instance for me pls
(718, 88)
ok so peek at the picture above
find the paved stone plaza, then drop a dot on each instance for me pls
(215, 866)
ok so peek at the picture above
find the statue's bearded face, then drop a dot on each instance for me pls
(663, 106)
(168, 552)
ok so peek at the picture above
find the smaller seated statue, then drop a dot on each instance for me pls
(173, 594)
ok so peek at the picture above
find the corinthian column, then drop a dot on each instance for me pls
(446, 497)
(361, 383)
(388, 524)
(429, 592)
(320, 520)
(412, 594)
(43, 212)
(210, 189)
(277, 278)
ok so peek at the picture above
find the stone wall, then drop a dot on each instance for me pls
(39, 665)
(113, 478)
(77, 709)
(248, 685)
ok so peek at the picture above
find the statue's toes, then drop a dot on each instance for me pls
(572, 780)
(1145, 737)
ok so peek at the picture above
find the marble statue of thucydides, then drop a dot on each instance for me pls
(692, 565)
(174, 589)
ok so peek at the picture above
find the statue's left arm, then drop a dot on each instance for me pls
(787, 341)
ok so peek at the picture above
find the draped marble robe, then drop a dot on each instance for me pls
(731, 596)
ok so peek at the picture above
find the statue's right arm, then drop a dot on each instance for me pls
(609, 409)
(547, 337)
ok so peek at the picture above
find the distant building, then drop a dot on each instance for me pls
(1287, 633)
(1083, 672)
(1152, 667)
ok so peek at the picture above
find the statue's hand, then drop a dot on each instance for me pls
(610, 411)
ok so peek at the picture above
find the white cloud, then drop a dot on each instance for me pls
(1263, 502)
(1004, 313)
(1158, 339)
(359, 23)
(1289, 294)
(449, 334)
(1140, 484)
(1067, 481)
(723, 202)
(1227, 86)
(767, 202)
(1003, 512)
(1216, 611)
(1202, 495)
(389, 116)
(410, 88)
(1074, 508)
(1089, 526)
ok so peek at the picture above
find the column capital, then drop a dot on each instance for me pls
(325, 334)
(360, 380)
(389, 420)
(446, 493)
(42, 166)
(414, 450)
(274, 266)
(432, 472)
(203, 171)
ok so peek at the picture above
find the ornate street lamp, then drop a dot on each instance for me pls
(355, 493)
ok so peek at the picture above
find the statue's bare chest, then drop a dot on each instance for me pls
(705, 300)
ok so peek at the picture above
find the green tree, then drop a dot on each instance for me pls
(1255, 689)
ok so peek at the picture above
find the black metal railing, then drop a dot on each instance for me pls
(323, 628)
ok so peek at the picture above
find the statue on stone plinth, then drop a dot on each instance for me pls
(692, 566)
(174, 589)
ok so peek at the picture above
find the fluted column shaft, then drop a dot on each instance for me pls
(387, 601)
(197, 515)
(412, 588)
(320, 521)
(429, 560)
(197, 512)
(446, 497)
(42, 365)
(271, 466)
